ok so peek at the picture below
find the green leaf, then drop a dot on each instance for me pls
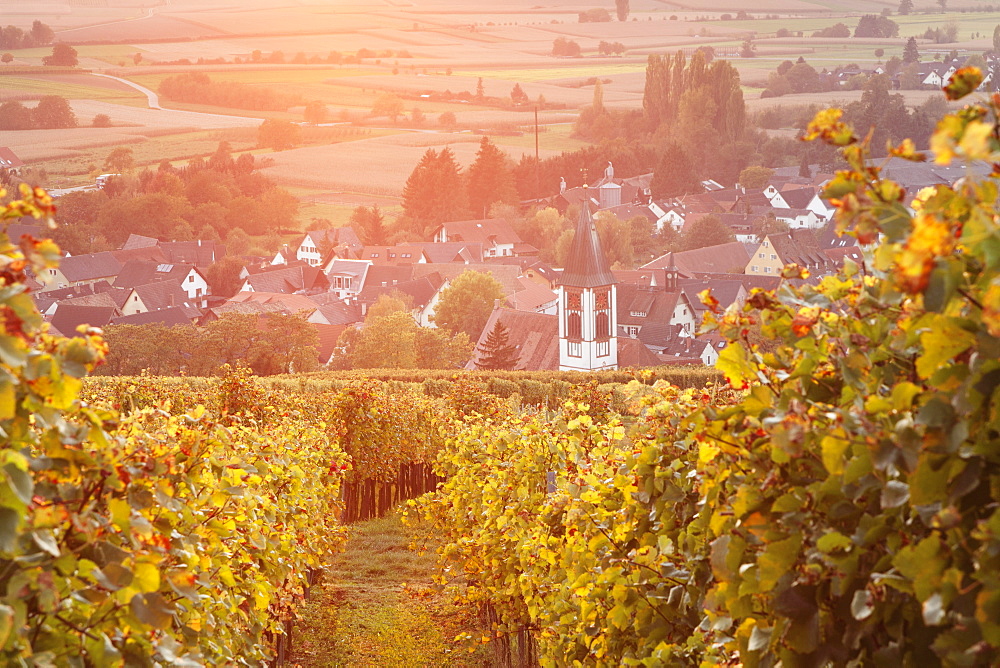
(10, 519)
(833, 449)
(776, 559)
(833, 541)
(941, 341)
(8, 400)
(735, 365)
(922, 564)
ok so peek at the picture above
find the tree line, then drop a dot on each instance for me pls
(12, 37)
(198, 88)
(219, 198)
(269, 344)
(51, 111)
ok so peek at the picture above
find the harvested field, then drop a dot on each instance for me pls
(495, 86)
(286, 22)
(839, 98)
(156, 27)
(378, 166)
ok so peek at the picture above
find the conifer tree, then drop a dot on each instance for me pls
(434, 192)
(490, 179)
(496, 352)
(910, 52)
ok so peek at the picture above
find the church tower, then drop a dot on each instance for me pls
(588, 325)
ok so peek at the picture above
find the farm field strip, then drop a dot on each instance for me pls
(20, 86)
(550, 73)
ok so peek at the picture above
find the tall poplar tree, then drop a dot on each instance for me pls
(622, 8)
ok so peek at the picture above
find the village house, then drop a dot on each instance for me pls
(316, 245)
(497, 237)
(191, 279)
(83, 269)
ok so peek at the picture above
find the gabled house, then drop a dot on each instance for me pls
(70, 316)
(533, 297)
(457, 252)
(336, 314)
(316, 243)
(423, 292)
(191, 279)
(684, 350)
(799, 219)
(399, 255)
(778, 250)
(83, 269)
(728, 258)
(168, 317)
(155, 297)
(346, 277)
(296, 279)
(497, 237)
(199, 253)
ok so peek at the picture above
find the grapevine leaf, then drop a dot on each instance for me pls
(862, 605)
(941, 343)
(152, 609)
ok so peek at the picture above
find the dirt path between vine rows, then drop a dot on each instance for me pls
(375, 607)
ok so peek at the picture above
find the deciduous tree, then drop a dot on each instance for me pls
(63, 55)
(53, 111)
(465, 305)
(674, 175)
(120, 160)
(278, 135)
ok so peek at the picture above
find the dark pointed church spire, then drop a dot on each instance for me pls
(587, 266)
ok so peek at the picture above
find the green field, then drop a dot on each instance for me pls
(550, 137)
(72, 91)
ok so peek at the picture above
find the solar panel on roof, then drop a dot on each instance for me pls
(164, 268)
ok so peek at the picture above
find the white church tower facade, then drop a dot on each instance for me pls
(587, 303)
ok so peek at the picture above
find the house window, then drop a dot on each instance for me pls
(575, 349)
(637, 314)
(632, 330)
(603, 348)
(760, 255)
(773, 256)
(766, 244)
(767, 270)
(374, 254)
(52, 272)
(392, 255)
(753, 268)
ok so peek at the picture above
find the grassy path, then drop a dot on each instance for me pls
(374, 607)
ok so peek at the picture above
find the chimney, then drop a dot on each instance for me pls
(170, 301)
